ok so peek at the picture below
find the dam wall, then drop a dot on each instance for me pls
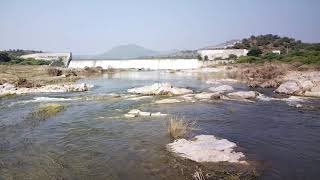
(152, 64)
(64, 56)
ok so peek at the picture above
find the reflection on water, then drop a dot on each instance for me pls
(92, 140)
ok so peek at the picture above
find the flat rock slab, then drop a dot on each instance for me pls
(160, 89)
(242, 95)
(168, 101)
(222, 89)
(206, 148)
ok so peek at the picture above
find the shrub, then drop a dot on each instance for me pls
(263, 75)
(54, 72)
(4, 57)
(233, 56)
(23, 82)
(272, 56)
(199, 57)
(71, 73)
(32, 61)
(58, 63)
(249, 59)
(46, 110)
(254, 52)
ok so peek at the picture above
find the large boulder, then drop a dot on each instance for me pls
(289, 87)
(160, 89)
(312, 94)
(242, 95)
(221, 89)
(316, 88)
(306, 85)
(77, 87)
(314, 91)
(207, 148)
(7, 87)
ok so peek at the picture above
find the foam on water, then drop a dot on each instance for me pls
(41, 99)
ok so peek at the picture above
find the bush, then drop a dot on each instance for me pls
(32, 61)
(46, 110)
(233, 56)
(254, 52)
(54, 72)
(23, 82)
(4, 57)
(249, 59)
(58, 63)
(272, 56)
(199, 57)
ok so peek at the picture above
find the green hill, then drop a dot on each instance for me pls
(292, 50)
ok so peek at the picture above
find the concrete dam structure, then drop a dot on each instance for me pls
(152, 64)
(64, 56)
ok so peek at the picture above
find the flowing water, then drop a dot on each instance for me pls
(91, 139)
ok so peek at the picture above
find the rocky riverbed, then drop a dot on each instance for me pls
(120, 127)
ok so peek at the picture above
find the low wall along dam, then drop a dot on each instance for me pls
(152, 64)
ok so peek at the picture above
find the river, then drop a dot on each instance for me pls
(91, 139)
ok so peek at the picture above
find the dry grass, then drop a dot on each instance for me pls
(23, 82)
(262, 75)
(178, 127)
(31, 75)
(54, 72)
(46, 110)
(198, 175)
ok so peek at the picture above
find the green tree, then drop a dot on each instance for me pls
(255, 52)
(4, 57)
(233, 56)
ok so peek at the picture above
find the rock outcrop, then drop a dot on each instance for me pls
(160, 89)
(168, 101)
(222, 89)
(242, 95)
(301, 83)
(11, 89)
(207, 96)
(207, 148)
(290, 87)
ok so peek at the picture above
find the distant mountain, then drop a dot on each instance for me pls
(127, 52)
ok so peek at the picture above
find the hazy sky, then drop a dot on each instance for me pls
(93, 26)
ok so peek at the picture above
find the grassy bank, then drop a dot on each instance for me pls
(32, 76)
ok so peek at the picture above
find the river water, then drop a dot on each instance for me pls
(91, 139)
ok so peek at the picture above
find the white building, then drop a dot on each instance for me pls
(220, 54)
(276, 51)
(65, 57)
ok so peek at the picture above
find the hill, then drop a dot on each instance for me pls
(268, 43)
(292, 50)
(127, 52)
